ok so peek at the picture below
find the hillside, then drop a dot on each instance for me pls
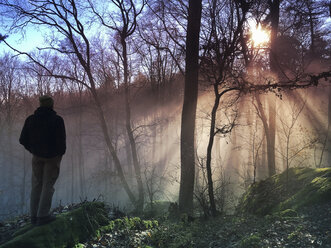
(291, 190)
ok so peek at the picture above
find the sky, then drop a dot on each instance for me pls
(26, 42)
(31, 38)
(34, 37)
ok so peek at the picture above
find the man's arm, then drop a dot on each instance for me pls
(61, 136)
(24, 137)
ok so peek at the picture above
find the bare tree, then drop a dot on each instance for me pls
(294, 148)
(124, 27)
(218, 64)
(164, 29)
(65, 19)
(189, 108)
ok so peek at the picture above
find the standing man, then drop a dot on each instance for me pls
(43, 135)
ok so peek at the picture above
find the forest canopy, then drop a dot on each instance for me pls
(188, 101)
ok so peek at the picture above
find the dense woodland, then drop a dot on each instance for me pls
(166, 100)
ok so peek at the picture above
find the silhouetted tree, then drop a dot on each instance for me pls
(221, 43)
(187, 145)
(3, 37)
(65, 19)
(124, 27)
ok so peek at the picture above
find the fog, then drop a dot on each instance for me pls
(118, 72)
(87, 170)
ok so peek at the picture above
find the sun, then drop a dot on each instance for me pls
(259, 36)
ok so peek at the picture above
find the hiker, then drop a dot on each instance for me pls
(43, 135)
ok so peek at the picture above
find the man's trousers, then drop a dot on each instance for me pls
(45, 171)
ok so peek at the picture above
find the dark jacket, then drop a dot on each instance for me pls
(43, 133)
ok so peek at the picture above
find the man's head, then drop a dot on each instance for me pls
(46, 101)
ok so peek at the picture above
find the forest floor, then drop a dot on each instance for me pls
(292, 209)
(311, 227)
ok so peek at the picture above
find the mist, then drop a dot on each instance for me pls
(87, 170)
(120, 84)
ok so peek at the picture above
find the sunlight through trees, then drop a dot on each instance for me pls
(177, 101)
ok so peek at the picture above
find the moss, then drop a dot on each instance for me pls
(295, 233)
(134, 223)
(257, 198)
(289, 213)
(23, 230)
(318, 190)
(126, 223)
(253, 241)
(175, 235)
(72, 228)
(79, 246)
(293, 189)
(67, 230)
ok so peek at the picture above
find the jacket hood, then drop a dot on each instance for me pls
(44, 111)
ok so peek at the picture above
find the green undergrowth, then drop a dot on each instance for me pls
(172, 235)
(67, 230)
(285, 229)
(70, 229)
(126, 223)
(277, 200)
(253, 241)
(288, 191)
(221, 231)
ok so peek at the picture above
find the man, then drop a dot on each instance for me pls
(43, 135)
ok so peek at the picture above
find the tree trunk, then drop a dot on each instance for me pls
(271, 136)
(72, 173)
(187, 148)
(269, 139)
(136, 165)
(209, 152)
(329, 131)
(271, 132)
(263, 173)
(110, 146)
(311, 28)
(80, 148)
(128, 157)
